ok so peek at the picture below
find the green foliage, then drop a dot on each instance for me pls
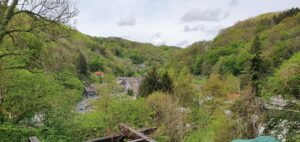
(286, 79)
(171, 122)
(226, 54)
(197, 66)
(166, 83)
(205, 62)
(96, 65)
(229, 65)
(231, 84)
(153, 82)
(213, 125)
(23, 54)
(138, 53)
(289, 13)
(28, 95)
(255, 69)
(244, 109)
(82, 64)
(136, 58)
(69, 80)
(183, 87)
(117, 111)
(10, 133)
(150, 83)
(220, 87)
(69, 61)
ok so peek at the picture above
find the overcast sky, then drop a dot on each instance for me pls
(170, 22)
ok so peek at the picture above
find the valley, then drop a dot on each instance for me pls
(59, 84)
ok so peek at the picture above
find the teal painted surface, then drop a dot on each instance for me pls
(259, 139)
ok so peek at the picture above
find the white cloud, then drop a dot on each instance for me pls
(128, 21)
(233, 2)
(157, 39)
(208, 29)
(190, 29)
(173, 20)
(182, 43)
(194, 15)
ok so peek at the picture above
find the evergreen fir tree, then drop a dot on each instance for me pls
(256, 68)
(150, 83)
(154, 82)
(82, 64)
(166, 84)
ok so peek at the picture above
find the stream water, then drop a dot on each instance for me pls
(85, 105)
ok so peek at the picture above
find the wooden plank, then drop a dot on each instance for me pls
(147, 131)
(115, 138)
(119, 137)
(33, 139)
(126, 128)
(138, 140)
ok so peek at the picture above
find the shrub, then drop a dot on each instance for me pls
(96, 65)
(153, 82)
(123, 110)
(214, 86)
(286, 79)
(167, 116)
(136, 58)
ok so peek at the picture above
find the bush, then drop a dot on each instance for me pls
(154, 81)
(69, 80)
(183, 87)
(214, 86)
(167, 116)
(136, 59)
(10, 133)
(123, 110)
(286, 80)
(29, 95)
(96, 65)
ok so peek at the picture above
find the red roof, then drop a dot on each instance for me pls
(99, 73)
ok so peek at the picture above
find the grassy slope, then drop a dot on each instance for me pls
(56, 90)
(228, 53)
(279, 42)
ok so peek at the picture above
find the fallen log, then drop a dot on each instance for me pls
(121, 137)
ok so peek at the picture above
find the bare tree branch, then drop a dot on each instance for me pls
(43, 12)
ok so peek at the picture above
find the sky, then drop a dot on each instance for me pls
(169, 22)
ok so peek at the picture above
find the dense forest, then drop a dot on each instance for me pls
(242, 84)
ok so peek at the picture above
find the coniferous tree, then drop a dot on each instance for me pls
(150, 83)
(82, 64)
(166, 84)
(255, 69)
(154, 82)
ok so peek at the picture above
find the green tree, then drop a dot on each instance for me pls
(28, 96)
(183, 87)
(255, 69)
(214, 86)
(154, 82)
(197, 66)
(96, 65)
(136, 58)
(286, 80)
(82, 66)
(166, 83)
(150, 83)
(22, 18)
(40, 14)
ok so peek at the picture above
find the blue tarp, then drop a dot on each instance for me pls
(259, 139)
